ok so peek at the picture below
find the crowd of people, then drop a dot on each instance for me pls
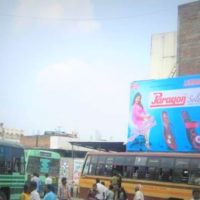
(114, 192)
(32, 190)
(98, 191)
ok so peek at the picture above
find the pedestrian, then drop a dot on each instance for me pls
(122, 194)
(34, 195)
(100, 190)
(116, 182)
(25, 194)
(48, 179)
(105, 190)
(36, 179)
(92, 192)
(63, 190)
(196, 194)
(138, 193)
(110, 193)
(49, 194)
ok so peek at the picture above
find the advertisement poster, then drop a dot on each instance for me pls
(165, 115)
(78, 164)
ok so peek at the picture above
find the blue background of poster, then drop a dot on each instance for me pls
(156, 137)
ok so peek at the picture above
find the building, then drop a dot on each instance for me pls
(189, 38)
(10, 134)
(65, 144)
(163, 55)
(177, 54)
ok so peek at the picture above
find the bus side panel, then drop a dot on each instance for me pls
(150, 189)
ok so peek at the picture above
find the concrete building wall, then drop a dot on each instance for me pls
(163, 55)
(189, 38)
(35, 141)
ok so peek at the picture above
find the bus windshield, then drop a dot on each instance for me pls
(43, 165)
(11, 170)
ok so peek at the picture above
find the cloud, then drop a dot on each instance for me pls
(74, 15)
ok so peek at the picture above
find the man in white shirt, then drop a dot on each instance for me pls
(101, 190)
(138, 194)
(48, 180)
(36, 179)
(34, 195)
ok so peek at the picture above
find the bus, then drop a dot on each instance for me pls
(42, 162)
(161, 175)
(12, 173)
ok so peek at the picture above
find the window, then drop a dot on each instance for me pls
(86, 166)
(101, 166)
(153, 168)
(140, 167)
(11, 160)
(181, 170)
(194, 177)
(128, 168)
(54, 167)
(166, 169)
(93, 165)
(109, 166)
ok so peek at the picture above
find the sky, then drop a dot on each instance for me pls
(68, 64)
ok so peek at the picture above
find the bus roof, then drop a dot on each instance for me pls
(10, 144)
(42, 153)
(163, 154)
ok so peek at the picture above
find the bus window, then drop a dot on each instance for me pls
(166, 169)
(33, 165)
(140, 167)
(128, 168)
(93, 165)
(109, 166)
(101, 166)
(194, 177)
(153, 168)
(54, 167)
(181, 170)
(118, 164)
(86, 166)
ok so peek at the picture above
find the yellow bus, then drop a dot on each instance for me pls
(162, 175)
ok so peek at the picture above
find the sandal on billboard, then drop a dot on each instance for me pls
(190, 127)
(169, 137)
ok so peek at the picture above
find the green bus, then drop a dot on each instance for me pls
(12, 174)
(42, 162)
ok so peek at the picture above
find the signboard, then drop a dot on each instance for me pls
(78, 164)
(165, 115)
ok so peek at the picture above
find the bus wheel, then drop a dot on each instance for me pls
(2, 196)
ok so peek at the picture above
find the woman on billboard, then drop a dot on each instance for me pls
(141, 121)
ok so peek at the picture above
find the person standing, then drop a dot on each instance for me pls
(36, 179)
(48, 180)
(101, 190)
(122, 194)
(116, 182)
(138, 193)
(110, 193)
(92, 192)
(49, 194)
(25, 194)
(34, 195)
(63, 190)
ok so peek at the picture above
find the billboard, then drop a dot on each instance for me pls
(165, 115)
